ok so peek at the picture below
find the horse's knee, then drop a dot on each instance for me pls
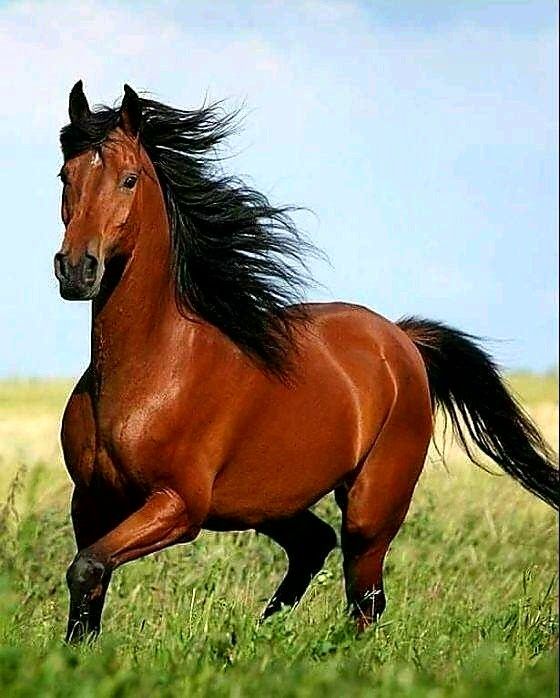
(360, 536)
(86, 574)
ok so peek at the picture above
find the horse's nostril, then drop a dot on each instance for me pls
(60, 266)
(90, 268)
(84, 272)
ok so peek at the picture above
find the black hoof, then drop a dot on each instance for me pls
(273, 607)
(80, 631)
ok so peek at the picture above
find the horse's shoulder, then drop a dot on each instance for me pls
(77, 431)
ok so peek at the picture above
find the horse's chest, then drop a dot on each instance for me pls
(125, 454)
(107, 446)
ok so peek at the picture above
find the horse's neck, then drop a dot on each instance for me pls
(139, 310)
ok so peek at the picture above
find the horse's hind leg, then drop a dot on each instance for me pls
(307, 540)
(374, 506)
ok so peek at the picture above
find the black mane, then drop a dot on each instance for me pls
(238, 260)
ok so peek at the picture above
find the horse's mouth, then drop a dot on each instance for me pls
(78, 293)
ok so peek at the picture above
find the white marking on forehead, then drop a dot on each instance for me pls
(95, 158)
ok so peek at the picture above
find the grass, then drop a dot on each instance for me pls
(471, 583)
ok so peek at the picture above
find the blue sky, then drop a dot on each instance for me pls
(423, 135)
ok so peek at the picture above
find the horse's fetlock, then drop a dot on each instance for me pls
(85, 574)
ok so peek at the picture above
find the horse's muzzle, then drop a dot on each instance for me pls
(78, 281)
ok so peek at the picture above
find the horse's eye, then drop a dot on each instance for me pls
(129, 181)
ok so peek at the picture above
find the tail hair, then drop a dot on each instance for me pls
(466, 383)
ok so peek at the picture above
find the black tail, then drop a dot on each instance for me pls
(467, 384)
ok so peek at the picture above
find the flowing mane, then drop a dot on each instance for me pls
(238, 261)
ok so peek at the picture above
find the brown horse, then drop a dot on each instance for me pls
(211, 400)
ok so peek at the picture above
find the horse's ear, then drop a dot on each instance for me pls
(78, 107)
(131, 112)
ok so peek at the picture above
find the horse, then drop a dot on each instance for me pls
(215, 397)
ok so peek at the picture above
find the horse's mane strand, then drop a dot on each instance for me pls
(238, 260)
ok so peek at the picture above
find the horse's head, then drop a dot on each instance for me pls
(100, 190)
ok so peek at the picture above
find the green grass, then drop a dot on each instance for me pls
(471, 583)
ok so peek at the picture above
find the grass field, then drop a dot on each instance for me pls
(471, 582)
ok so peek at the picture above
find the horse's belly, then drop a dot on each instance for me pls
(249, 492)
(294, 454)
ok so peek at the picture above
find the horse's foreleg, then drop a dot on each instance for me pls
(162, 521)
(92, 519)
(307, 541)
